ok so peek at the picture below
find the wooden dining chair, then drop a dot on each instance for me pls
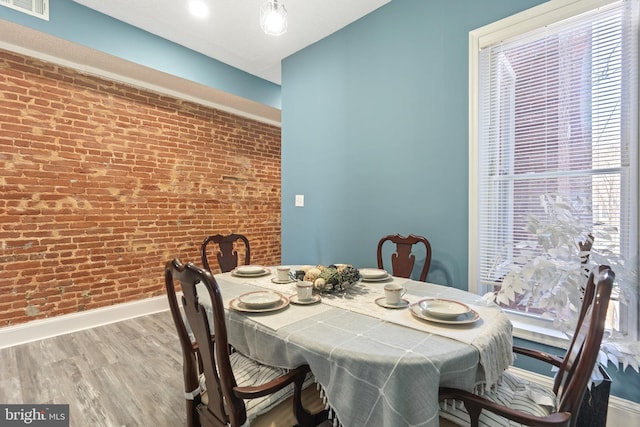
(222, 386)
(527, 403)
(227, 255)
(403, 259)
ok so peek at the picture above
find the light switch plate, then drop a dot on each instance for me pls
(299, 200)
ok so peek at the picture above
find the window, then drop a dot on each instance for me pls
(37, 8)
(553, 111)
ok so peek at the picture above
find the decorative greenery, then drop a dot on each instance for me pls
(548, 272)
(333, 278)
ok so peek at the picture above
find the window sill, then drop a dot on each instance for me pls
(537, 330)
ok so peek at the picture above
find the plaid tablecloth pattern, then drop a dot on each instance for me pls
(378, 367)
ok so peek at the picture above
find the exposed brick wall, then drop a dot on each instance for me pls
(102, 183)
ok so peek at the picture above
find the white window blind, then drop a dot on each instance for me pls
(557, 114)
(38, 8)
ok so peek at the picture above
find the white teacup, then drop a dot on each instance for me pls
(282, 273)
(394, 293)
(305, 290)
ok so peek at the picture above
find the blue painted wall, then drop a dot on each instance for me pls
(375, 135)
(79, 24)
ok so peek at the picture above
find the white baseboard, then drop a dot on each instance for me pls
(621, 412)
(47, 328)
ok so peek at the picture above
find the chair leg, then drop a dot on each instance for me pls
(191, 419)
(304, 417)
(474, 414)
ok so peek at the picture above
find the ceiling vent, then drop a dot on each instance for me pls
(38, 8)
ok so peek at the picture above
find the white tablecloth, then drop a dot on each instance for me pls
(378, 367)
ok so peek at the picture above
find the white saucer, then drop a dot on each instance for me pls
(293, 299)
(281, 282)
(382, 302)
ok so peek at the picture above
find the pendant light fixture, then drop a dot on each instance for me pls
(273, 18)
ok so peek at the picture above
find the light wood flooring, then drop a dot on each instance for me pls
(127, 373)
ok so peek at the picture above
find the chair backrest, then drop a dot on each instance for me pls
(189, 354)
(227, 255)
(222, 405)
(580, 360)
(403, 259)
(587, 300)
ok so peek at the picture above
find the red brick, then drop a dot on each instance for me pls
(103, 183)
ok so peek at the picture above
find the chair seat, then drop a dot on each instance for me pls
(248, 372)
(513, 392)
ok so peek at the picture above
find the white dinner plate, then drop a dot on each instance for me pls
(380, 279)
(464, 319)
(373, 273)
(235, 304)
(249, 269)
(444, 308)
(254, 271)
(260, 299)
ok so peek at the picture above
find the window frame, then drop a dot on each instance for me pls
(525, 326)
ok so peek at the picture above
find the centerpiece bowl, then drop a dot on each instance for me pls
(329, 279)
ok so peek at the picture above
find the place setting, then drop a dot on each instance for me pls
(444, 311)
(374, 275)
(259, 302)
(392, 298)
(304, 294)
(249, 271)
(283, 276)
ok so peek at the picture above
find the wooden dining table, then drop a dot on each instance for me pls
(375, 366)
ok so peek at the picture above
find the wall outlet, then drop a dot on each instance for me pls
(299, 200)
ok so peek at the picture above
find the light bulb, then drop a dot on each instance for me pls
(274, 22)
(198, 8)
(273, 18)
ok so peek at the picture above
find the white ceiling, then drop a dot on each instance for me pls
(231, 32)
